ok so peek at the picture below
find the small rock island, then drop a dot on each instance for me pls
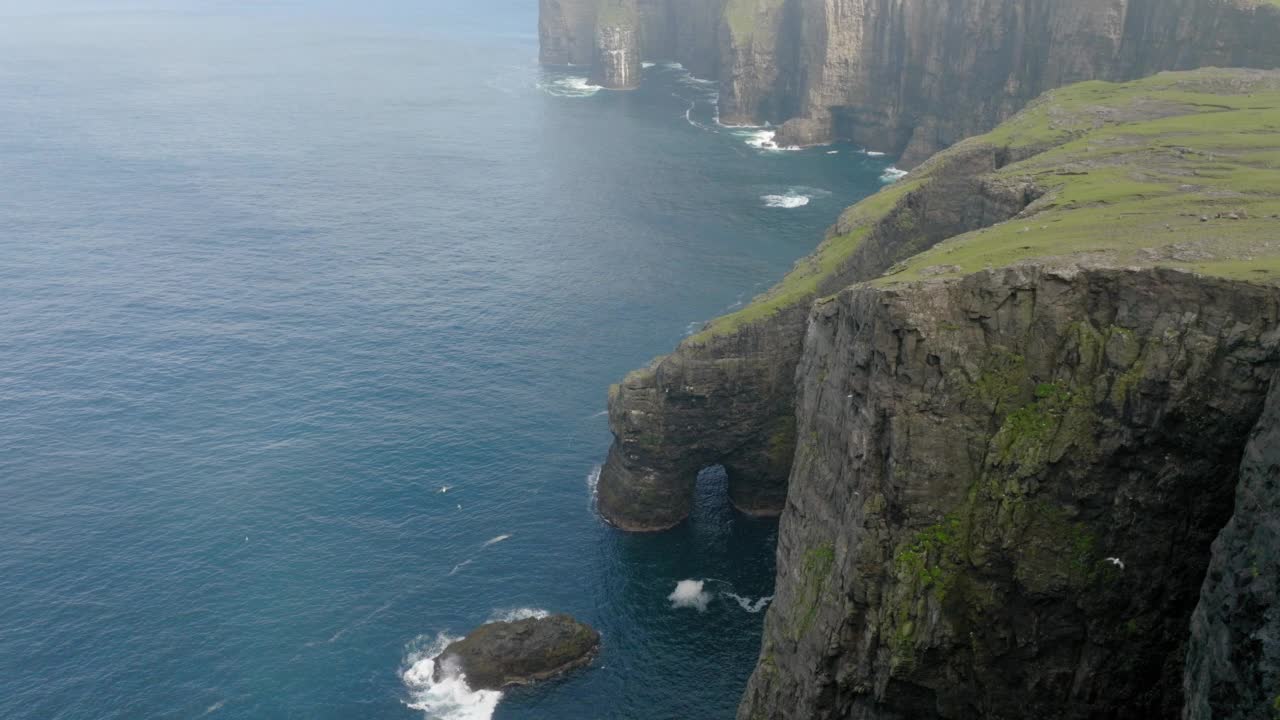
(501, 654)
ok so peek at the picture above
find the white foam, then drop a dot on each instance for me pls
(873, 153)
(788, 201)
(833, 152)
(460, 565)
(751, 606)
(763, 139)
(450, 698)
(593, 482)
(689, 594)
(794, 197)
(646, 65)
(673, 66)
(495, 540)
(517, 614)
(892, 175)
(570, 87)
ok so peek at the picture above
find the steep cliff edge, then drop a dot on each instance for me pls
(911, 77)
(1015, 449)
(611, 37)
(617, 45)
(726, 395)
(1005, 492)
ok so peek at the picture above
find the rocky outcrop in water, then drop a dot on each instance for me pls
(911, 77)
(501, 654)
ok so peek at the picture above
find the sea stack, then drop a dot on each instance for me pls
(502, 654)
(617, 45)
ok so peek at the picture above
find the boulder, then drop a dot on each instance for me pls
(501, 654)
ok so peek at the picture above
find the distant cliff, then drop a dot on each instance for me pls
(909, 77)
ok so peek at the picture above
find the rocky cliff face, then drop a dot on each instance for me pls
(613, 36)
(1016, 437)
(1233, 663)
(914, 76)
(617, 55)
(1005, 491)
(1008, 481)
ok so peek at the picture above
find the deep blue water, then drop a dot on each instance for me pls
(273, 274)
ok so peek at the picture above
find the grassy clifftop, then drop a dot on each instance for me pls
(743, 16)
(616, 13)
(1178, 170)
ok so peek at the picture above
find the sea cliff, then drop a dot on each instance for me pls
(909, 77)
(1033, 473)
(1017, 414)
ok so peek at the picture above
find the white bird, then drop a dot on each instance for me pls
(445, 488)
(1115, 561)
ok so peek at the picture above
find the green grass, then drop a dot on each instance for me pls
(743, 16)
(1136, 167)
(1128, 170)
(740, 15)
(616, 12)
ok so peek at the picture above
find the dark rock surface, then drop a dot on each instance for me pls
(1005, 490)
(910, 77)
(1233, 657)
(501, 654)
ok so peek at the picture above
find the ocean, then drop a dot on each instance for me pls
(309, 310)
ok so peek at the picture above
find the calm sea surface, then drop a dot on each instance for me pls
(307, 315)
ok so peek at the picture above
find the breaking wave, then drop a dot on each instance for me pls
(569, 87)
(517, 614)
(793, 197)
(785, 201)
(762, 139)
(593, 483)
(450, 698)
(690, 594)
